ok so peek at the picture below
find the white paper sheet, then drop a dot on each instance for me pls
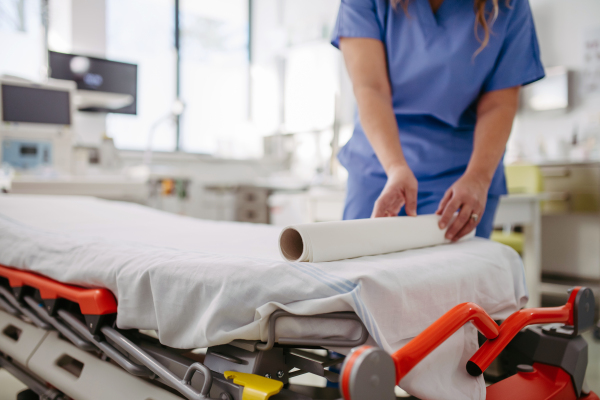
(340, 240)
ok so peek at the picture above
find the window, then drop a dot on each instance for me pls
(214, 76)
(21, 39)
(142, 32)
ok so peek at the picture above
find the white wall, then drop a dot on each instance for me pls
(88, 27)
(22, 52)
(561, 27)
(79, 26)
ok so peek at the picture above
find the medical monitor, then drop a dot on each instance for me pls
(97, 74)
(35, 104)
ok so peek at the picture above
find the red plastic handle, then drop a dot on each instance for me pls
(417, 349)
(519, 320)
(91, 301)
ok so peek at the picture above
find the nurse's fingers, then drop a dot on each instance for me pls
(448, 212)
(459, 222)
(472, 224)
(410, 197)
(444, 201)
(388, 205)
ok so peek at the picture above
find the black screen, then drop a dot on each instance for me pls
(28, 150)
(37, 105)
(102, 75)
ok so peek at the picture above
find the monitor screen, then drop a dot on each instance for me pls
(96, 74)
(36, 105)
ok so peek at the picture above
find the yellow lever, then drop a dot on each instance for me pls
(255, 387)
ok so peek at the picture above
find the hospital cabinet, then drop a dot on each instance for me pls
(571, 228)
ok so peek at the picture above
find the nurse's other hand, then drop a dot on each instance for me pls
(400, 190)
(469, 195)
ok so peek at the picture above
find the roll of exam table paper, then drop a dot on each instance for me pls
(339, 240)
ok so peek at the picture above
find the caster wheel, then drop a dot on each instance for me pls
(28, 394)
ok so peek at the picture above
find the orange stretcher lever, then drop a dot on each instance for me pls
(417, 349)
(482, 359)
(91, 301)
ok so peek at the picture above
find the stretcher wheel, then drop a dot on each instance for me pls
(368, 373)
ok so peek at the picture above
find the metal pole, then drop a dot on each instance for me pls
(250, 55)
(177, 76)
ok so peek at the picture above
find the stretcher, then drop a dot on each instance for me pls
(62, 342)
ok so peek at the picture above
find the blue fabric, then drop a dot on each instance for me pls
(361, 196)
(437, 80)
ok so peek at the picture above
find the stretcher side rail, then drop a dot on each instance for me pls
(367, 365)
(66, 332)
(97, 302)
(29, 288)
(98, 305)
(577, 314)
(76, 332)
(22, 309)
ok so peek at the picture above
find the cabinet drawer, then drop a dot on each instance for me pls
(580, 182)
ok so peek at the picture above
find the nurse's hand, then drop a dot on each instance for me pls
(400, 190)
(469, 195)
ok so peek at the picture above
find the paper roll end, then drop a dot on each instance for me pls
(291, 244)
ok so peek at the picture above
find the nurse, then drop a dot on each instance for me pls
(437, 85)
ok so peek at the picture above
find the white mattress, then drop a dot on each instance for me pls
(202, 283)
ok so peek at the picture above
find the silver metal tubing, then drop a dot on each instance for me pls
(66, 332)
(324, 361)
(24, 310)
(8, 308)
(107, 348)
(40, 388)
(182, 386)
(364, 334)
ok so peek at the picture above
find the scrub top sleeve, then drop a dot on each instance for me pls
(518, 62)
(357, 18)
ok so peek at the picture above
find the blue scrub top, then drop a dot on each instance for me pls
(437, 80)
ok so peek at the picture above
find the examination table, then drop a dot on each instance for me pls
(107, 300)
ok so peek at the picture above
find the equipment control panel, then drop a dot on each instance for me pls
(26, 154)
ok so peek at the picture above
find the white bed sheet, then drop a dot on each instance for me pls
(202, 283)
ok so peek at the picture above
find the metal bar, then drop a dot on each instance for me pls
(330, 376)
(437, 333)
(325, 361)
(32, 383)
(24, 310)
(177, 74)
(512, 325)
(110, 351)
(364, 335)
(182, 386)
(66, 332)
(250, 86)
(8, 308)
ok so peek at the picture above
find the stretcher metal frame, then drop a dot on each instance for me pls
(70, 323)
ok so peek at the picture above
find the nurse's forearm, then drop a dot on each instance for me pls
(367, 66)
(380, 126)
(495, 114)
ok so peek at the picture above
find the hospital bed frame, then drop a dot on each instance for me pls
(60, 340)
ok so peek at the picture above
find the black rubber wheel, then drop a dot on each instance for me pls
(27, 394)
